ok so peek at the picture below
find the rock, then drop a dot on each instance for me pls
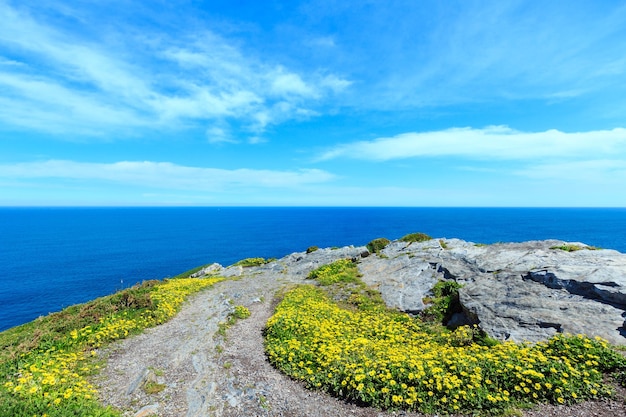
(232, 271)
(148, 410)
(301, 263)
(213, 269)
(138, 381)
(515, 291)
(403, 282)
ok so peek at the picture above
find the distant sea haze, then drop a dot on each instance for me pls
(51, 258)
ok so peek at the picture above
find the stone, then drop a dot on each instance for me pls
(148, 410)
(213, 269)
(524, 291)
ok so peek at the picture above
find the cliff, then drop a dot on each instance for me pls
(514, 291)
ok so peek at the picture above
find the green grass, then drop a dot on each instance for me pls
(249, 262)
(238, 313)
(573, 248)
(151, 387)
(376, 245)
(192, 271)
(343, 270)
(46, 365)
(415, 237)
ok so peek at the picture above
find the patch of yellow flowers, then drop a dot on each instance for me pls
(54, 376)
(389, 360)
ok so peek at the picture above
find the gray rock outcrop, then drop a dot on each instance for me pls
(515, 291)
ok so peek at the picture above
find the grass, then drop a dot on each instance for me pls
(192, 271)
(365, 353)
(151, 387)
(376, 245)
(415, 237)
(45, 365)
(573, 248)
(249, 262)
(238, 313)
(341, 281)
(343, 270)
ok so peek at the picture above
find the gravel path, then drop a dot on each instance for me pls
(185, 368)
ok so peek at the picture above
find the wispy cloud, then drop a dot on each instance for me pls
(603, 172)
(494, 142)
(150, 80)
(474, 52)
(163, 175)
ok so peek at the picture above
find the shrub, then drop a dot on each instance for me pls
(444, 302)
(377, 245)
(311, 249)
(415, 237)
(249, 262)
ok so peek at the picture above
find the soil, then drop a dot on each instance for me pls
(186, 367)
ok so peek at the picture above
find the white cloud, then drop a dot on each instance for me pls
(602, 172)
(218, 134)
(151, 79)
(476, 52)
(163, 175)
(46, 105)
(494, 142)
(284, 84)
(335, 83)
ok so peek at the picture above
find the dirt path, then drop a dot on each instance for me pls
(185, 368)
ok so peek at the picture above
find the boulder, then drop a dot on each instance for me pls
(213, 269)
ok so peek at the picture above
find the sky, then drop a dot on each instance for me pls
(313, 103)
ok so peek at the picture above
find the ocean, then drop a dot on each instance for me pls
(51, 258)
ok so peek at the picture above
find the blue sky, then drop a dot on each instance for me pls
(313, 103)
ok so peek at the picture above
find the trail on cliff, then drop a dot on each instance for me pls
(189, 367)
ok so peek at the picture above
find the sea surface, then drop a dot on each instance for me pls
(51, 258)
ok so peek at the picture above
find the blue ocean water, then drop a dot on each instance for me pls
(54, 257)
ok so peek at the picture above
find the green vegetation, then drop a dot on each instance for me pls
(361, 351)
(573, 248)
(443, 244)
(45, 364)
(376, 245)
(241, 312)
(151, 387)
(249, 262)
(343, 270)
(238, 313)
(444, 302)
(341, 281)
(192, 271)
(311, 249)
(415, 237)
